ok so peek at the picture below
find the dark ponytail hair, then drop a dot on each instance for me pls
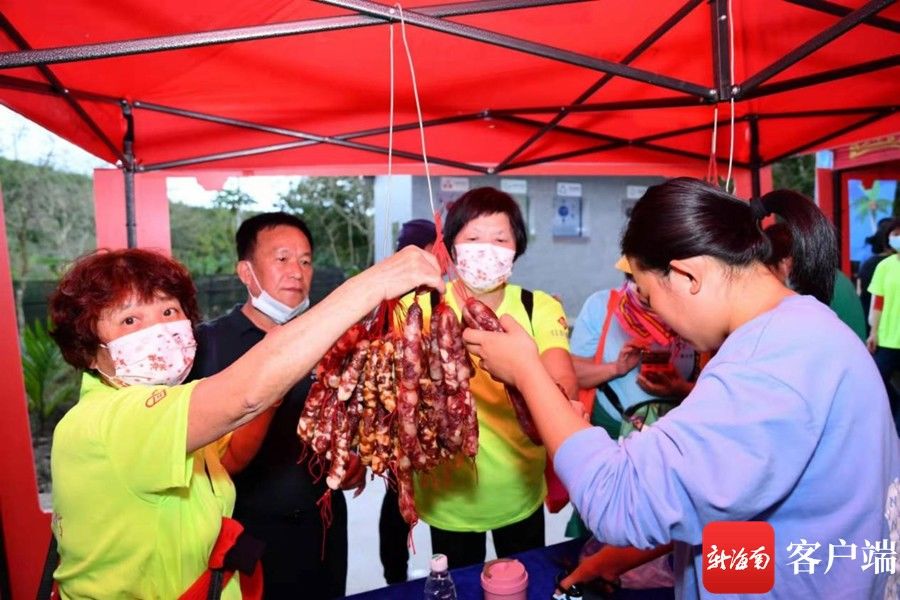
(782, 243)
(685, 217)
(813, 243)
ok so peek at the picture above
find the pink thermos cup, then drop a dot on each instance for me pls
(504, 579)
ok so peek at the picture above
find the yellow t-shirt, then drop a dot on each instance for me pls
(506, 482)
(134, 515)
(886, 282)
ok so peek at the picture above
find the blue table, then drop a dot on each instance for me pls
(542, 565)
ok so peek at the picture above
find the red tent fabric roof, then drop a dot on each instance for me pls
(335, 82)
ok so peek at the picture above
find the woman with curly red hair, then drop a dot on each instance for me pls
(139, 495)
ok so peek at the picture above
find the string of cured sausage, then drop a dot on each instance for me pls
(399, 397)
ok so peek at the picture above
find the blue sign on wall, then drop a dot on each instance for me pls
(567, 210)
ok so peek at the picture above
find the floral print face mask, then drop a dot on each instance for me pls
(483, 267)
(161, 354)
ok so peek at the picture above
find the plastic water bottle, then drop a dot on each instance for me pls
(439, 585)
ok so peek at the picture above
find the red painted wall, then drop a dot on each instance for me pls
(151, 210)
(827, 194)
(26, 529)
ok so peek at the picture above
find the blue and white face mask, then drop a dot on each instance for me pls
(277, 311)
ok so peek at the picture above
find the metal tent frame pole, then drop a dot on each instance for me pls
(837, 208)
(309, 137)
(420, 19)
(612, 142)
(795, 83)
(847, 23)
(842, 11)
(128, 166)
(721, 48)
(564, 111)
(58, 86)
(63, 54)
(830, 136)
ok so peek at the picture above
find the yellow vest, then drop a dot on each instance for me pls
(505, 484)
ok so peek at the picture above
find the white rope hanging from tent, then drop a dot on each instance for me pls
(712, 172)
(390, 176)
(412, 74)
(729, 185)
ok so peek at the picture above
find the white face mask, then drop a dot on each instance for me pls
(161, 354)
(277, 311)
(894, 242)
(483, 267)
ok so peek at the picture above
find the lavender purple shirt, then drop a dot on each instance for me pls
(789, 423)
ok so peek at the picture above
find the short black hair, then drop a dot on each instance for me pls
(485, 201)
(894, 224)
(247, 233)
(879, 240)
(418, 232)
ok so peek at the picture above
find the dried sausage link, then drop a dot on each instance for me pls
(340, 449)
(350, 376)
(479, 316)
(408, 390)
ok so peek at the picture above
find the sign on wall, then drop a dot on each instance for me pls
(634, 192)
(451, 189)
(567, 210)
(518, 189)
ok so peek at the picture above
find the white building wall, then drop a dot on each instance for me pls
(393, 207)
(571, 268)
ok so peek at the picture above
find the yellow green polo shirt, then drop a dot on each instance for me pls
(135, 516)
(506, 482)
(886, 283)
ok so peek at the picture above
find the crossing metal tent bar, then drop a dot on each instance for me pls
(506, 85)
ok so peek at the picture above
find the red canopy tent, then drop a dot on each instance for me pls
(519, 86)
(296, 84)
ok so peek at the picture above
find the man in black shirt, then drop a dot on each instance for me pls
(276, 495)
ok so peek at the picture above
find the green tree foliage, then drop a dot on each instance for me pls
(49, 220)
(339, 212)
(50, 383)
(797, 173)
(873, 203)
(203, 238)
(49, 217)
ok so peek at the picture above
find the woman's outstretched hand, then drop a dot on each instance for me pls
(503, 354)
(628, 358)
(403, 272)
